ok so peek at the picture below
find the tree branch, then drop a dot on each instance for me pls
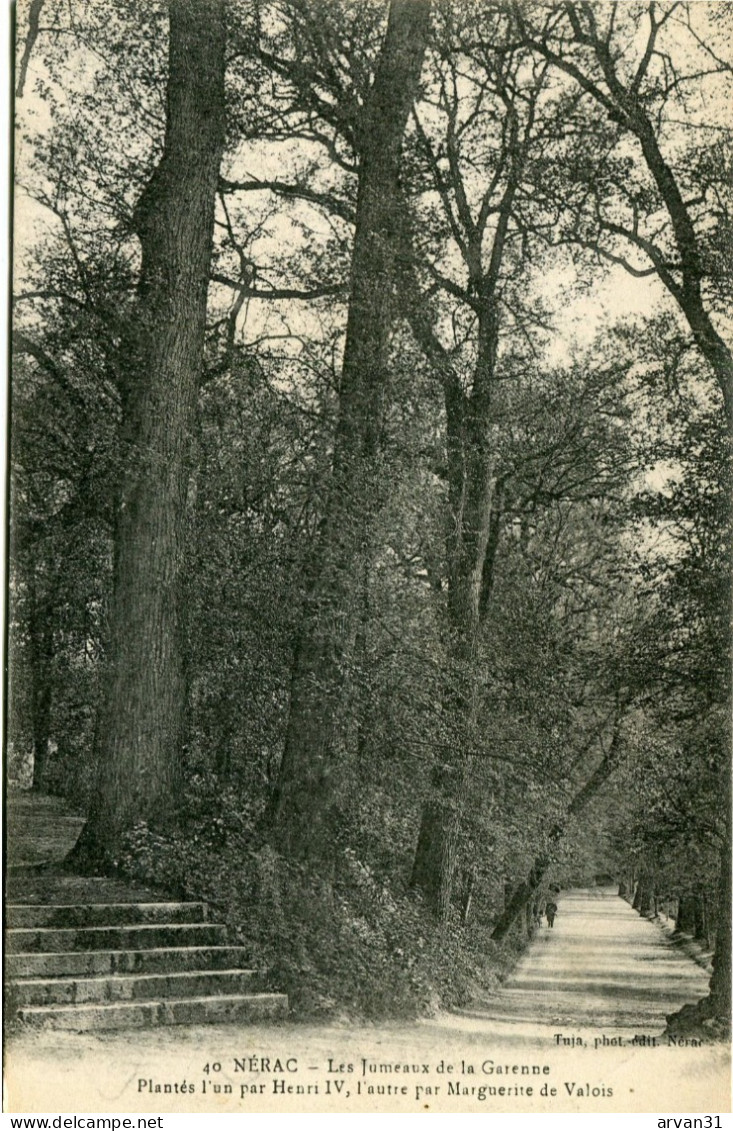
(24, 344)
(327, 200)
(281, 292)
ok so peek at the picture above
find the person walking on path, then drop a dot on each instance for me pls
(550, 912)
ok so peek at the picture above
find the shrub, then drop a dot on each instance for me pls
(353, 947)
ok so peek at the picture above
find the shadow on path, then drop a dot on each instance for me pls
(601, 965)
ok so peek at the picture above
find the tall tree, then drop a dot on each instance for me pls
(305, 796)
(501, 104)
(641, 95)
(140, 729)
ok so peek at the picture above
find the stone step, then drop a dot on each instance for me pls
(52, 939)
(29, 800)
(100, 953)
(42, 847)
(35, 837)
(52, 889)
(95, 963)
(132, 987)
(148, 1014)
(102, 914)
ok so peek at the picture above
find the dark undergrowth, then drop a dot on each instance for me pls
(360, 947)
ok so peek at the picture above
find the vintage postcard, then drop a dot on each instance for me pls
(369, 558)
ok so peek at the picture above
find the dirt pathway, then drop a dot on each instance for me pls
(601, 965)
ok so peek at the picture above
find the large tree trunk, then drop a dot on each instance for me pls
(436, 853)
(143, 707)
(715, 1009)
(471, 551)
(685, 919)
(720, 983)
(644, 898)
(40, 623)
(20, 743)
(305, 802)
(701, 917)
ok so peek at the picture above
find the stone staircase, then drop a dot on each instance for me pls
(92, 953)
(40, 829)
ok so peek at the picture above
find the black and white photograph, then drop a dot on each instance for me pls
(368, 558)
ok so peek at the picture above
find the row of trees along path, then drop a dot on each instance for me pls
(472, 639)
(600, 965)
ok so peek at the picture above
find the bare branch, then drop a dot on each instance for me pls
(29, 296)
(249, 291)
(327, 200)
(440, 186)
(648, 51)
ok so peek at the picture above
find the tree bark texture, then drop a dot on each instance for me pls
(436, 854)
(644, 898)
(720, 982)
(305, 802)
(685, 921)
(141, 721)
(40, 623)
(21, 680)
